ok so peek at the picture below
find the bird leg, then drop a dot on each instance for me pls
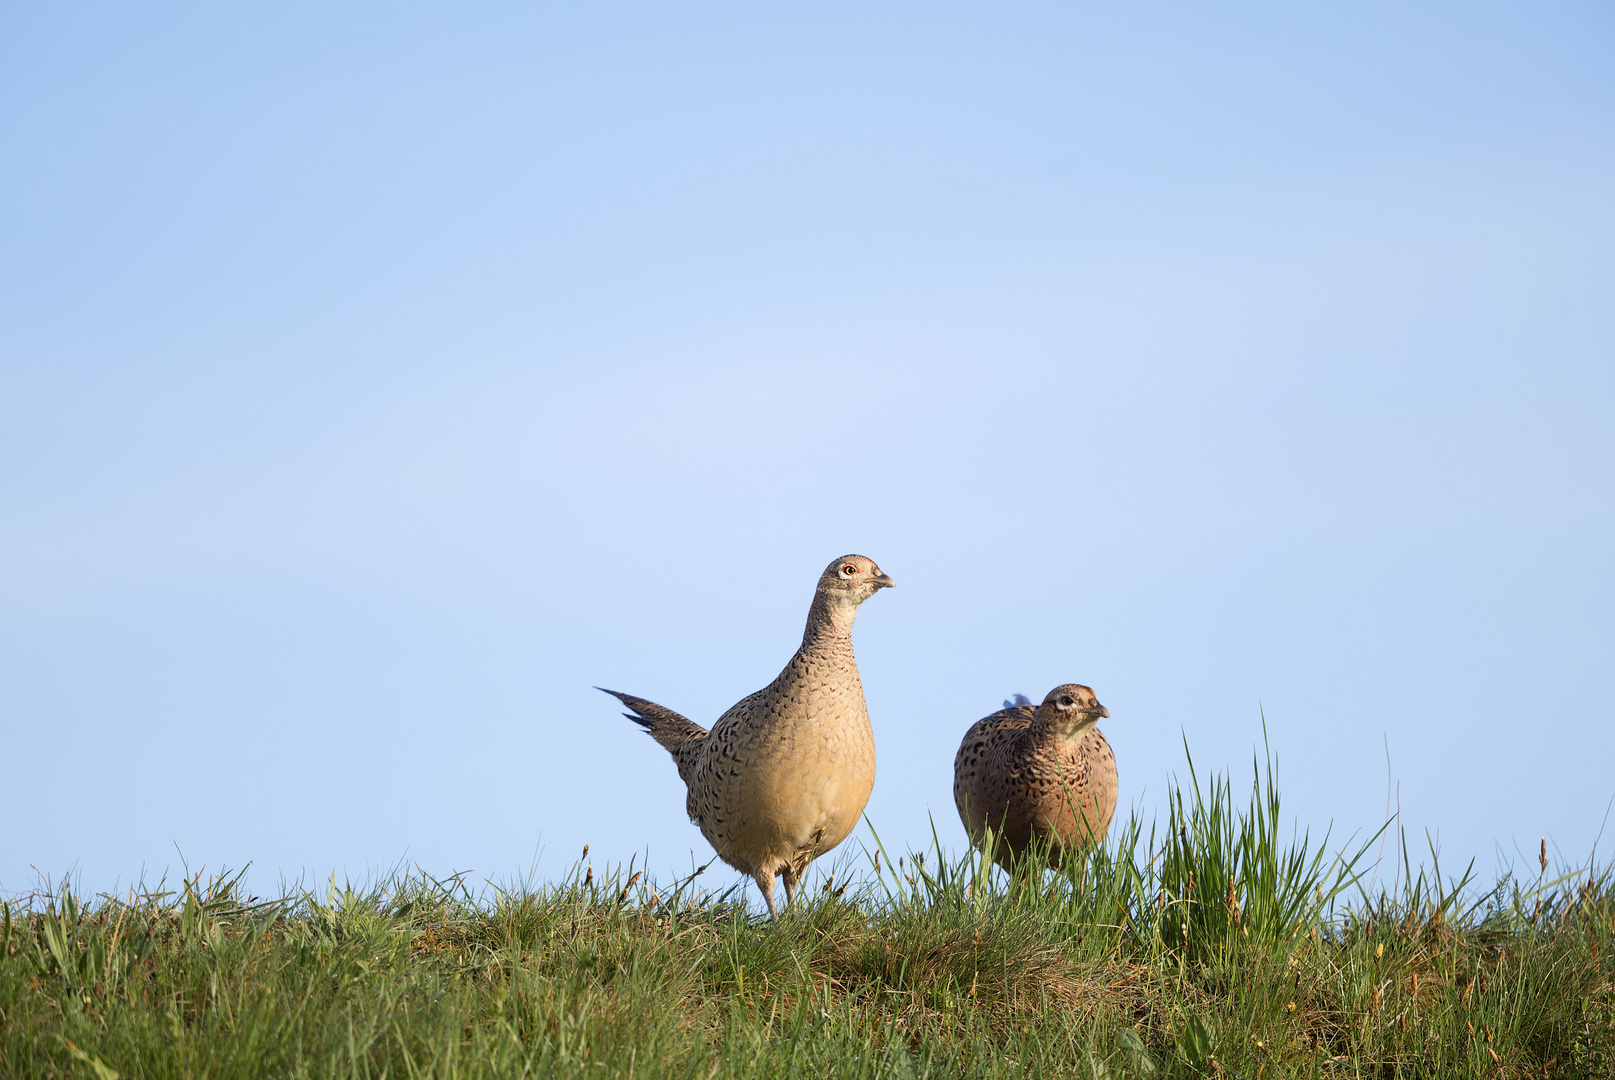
(765, 884)
(796, 868)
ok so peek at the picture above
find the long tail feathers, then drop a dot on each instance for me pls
(679, 736)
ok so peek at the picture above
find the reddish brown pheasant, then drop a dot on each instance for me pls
(1043, 774)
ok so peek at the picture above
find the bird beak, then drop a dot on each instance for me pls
(1098, 711)
(882, 581)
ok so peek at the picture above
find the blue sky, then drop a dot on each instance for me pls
(376, 381)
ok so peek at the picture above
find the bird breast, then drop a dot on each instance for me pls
(792, 765)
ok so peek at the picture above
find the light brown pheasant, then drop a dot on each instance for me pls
(784, 774)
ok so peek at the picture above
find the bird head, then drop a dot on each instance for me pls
(852, 579)
(1070, 710)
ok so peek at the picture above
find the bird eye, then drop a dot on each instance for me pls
(849, 569)
(1065, 701)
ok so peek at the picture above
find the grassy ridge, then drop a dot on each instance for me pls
(1215, 947)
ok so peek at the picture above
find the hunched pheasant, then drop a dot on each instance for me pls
(1046, 774)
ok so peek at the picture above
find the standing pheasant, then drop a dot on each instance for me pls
(784, 774)
(1046, 774)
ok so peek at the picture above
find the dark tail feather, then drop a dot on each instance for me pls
(679, 736)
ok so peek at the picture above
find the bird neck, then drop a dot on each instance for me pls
(1057, 731)
(829, 622)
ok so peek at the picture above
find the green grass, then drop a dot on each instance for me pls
(1215, 947)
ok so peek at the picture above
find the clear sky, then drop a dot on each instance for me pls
(376, 380)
